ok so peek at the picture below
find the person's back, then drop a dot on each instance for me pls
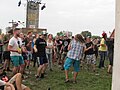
(41, 45)
(75, 51)
(110, 45)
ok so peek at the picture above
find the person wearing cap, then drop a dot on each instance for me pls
(15, 48)
(73, 57)
(40, 49)
(102, 50)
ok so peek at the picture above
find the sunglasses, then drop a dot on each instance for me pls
(19, 44)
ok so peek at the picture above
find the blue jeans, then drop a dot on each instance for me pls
(49, 57)
(102, 54)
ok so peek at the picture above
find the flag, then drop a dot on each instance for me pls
(19, 3)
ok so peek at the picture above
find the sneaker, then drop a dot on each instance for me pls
(37, 76)
(51, 70)
(48, 89)
(66, 81)
(42, 75)
(27, 67)
(23, 77)
(109, 72)
(9, 70)
(62, 69)
(102, 68)
(39, 79)
(74, 82)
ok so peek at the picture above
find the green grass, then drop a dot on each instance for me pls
(86, 80)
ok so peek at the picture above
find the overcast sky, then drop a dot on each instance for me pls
(95, 16)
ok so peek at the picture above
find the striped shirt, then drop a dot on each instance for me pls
(76, 50)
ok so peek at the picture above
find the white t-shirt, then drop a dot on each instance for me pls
(2, 83)
(16, 43)
(49, 51)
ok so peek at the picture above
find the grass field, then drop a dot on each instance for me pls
(87, 80)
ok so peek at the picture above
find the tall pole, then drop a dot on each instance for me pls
(27, 15)
(116, 65)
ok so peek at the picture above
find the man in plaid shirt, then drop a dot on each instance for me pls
(74, 56)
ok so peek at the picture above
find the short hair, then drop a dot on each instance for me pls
(16, 29)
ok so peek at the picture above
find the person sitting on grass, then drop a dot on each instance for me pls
(74, 56)
(15, 83)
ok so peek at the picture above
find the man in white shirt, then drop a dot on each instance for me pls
(15, 48)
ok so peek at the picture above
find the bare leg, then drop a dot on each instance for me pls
(8, 65)
(18, 81)
(5, 64)
(75, 75)
(9, 87)
(44, 68)
(28, 64)
(22, 68)
(109, 69)
(66, 75)
(93, 67)
(39, 70)
(27, 88)
(15, 70)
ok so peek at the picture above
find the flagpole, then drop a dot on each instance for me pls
(27, 15)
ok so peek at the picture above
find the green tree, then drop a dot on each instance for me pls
(95, 36)
(60, 33)
(86, 33)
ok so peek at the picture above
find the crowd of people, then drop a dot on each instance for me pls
(43, 51)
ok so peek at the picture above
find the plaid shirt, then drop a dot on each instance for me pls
(76, 50)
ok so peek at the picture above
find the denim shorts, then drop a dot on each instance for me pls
(17, 60)
(29, 55)
(75, 63)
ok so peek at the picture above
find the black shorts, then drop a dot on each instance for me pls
(6, 55)
(42, 60)
(34, 56)
(24, 56)
(2, 87)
